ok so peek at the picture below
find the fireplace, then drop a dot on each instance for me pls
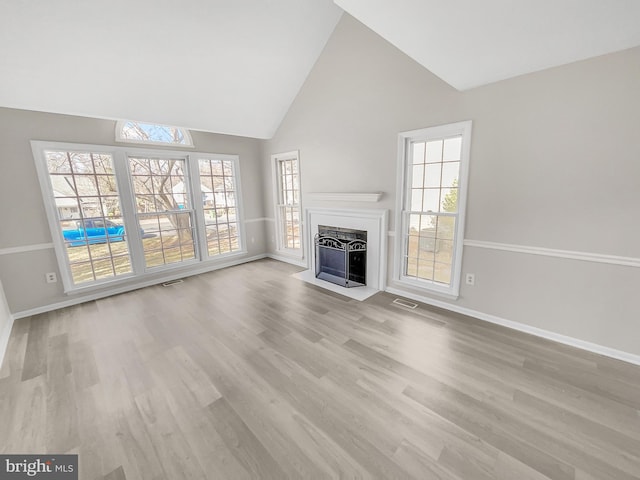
(371, 221)
(341, 256)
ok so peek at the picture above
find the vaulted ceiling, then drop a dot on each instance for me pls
(235, 66)
(469, 43)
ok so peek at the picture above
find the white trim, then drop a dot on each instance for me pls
(299, 262)
(377, 220)
(403, 197)
(26, 248)
(120, 139)
(553, 252)
(127, 288)
(346, 196)
(298, 253)
(521, 327)
(4, 338)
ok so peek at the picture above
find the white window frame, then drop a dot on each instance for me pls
(199, 203)
(120, 138)
(403, 200)
(278, 202)
(120, 155)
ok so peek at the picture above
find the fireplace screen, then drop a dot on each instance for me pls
(341, 256)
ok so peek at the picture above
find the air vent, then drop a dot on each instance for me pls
(172, 282)
(405, 303)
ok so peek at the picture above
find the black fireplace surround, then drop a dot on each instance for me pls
(341, 256)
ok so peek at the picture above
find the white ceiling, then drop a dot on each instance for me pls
(468, 43)
(235, 66)
(227, 66)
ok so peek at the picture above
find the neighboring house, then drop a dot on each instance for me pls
(66, 197)
(209, 197)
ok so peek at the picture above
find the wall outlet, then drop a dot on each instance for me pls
(51, 277)
(470, 279)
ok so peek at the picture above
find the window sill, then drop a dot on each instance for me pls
(424, 287)
(160, 275)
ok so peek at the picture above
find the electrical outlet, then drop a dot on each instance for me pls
(51, 277)
(470, 279)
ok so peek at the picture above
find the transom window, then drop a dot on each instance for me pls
(435, 170)
(288, 209)
(118, 212)
(153, 133)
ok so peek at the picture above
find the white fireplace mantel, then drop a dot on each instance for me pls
(374, 222)
(346, 196)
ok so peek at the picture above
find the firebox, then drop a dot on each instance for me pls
(341, 256)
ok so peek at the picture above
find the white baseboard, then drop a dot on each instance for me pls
(114, 291)
(4, 338)
(300, 262)
(538, 332)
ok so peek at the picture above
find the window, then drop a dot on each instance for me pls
(163, 209)
(434, 166)
(117, 212)
(218, 190)
(288, 210)
(152, 133)
(89, 216)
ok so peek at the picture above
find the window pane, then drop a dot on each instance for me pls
(58, 162)
(418, 152)
(417, 177)
(449, 198)
(432, 175)
(431, 200)
(434, 151)
(416, 200)
(425, 269)
(444, 253)
(450, 173)
(428, 225)
(82, 272)
(452, 149)
(442, 273)
(411, 267)
(446, 227)
(414, 224)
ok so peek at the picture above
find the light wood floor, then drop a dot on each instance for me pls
(250, 373)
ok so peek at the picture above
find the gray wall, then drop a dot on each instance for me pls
(554, 164)
(23, 219)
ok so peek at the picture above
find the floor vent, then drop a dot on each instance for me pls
(405, 303)
(172, 282)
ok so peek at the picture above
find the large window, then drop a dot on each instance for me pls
(288, 211)
(434, 166)
(118, 212)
